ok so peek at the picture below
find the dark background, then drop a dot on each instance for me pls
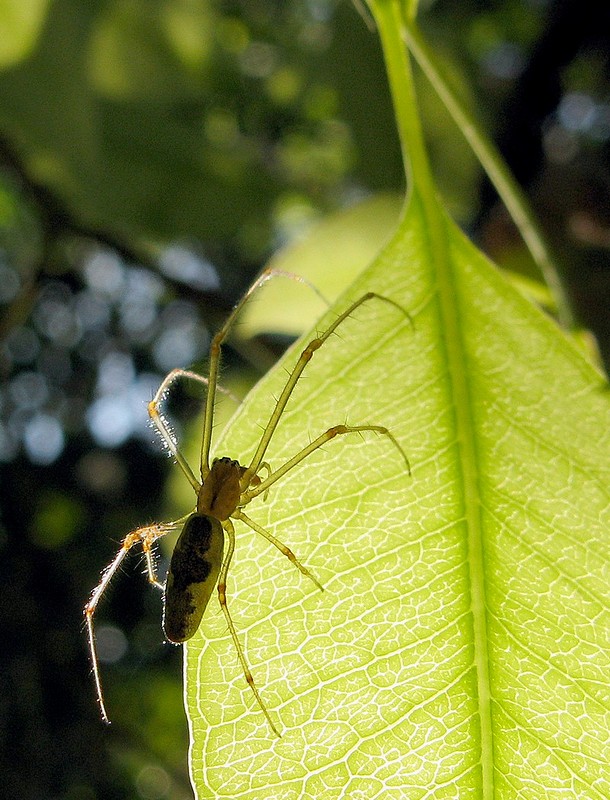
(153, 154)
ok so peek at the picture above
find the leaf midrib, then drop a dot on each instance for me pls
(466, 440)
(389, 18)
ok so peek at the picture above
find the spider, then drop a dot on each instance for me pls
(202, 555)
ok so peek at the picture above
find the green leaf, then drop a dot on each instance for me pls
(461, 647)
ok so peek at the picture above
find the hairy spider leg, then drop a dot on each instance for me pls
(296, 373)
(154, 412)
(146, 536)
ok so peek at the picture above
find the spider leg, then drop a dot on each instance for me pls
(214, 361)
(337, 430)
(266, 466)
(161, 425)
(146, 536)
(151, 569)
(222, 598)
(277, 543)
(296, 373)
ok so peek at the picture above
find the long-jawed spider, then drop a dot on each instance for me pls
(201, 557)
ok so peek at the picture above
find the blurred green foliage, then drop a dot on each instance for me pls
(153, 154)
(187, 118)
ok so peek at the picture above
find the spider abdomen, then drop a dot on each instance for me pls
(192, 576)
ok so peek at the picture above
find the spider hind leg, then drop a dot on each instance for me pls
(146, 536)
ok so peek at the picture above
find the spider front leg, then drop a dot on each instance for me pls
(294, 376)
(161, 425)
(146, 537)
(214, 358)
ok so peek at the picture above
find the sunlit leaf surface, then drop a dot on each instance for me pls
(461, 647)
